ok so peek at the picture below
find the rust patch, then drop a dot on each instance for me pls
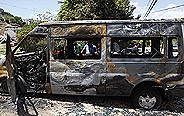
(103, 41)
(112, 67)
(129, 80)
(78, 30)
(48, 89)
(153, 74)
(158, 80)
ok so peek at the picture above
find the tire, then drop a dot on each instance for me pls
(146, 98)
(4, 86)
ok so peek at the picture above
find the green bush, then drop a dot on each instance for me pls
(1, 19)
(31, 43)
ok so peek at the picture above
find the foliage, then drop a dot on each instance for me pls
(1, 19)
(15, 20)
(9, 18)
(7, 21)
(31, 43)
(96, 9)
(25, 30)
(48, 16)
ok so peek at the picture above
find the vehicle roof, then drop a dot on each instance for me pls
(80, 22)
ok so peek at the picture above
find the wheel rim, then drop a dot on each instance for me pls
(147, 101)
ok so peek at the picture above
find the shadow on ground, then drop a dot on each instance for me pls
(118, 102)
(177, 105)
(92, 105)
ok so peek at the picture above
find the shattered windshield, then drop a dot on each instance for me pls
(32, 44)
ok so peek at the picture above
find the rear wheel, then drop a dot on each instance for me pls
(147, 98)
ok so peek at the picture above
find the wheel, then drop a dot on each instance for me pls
(146, 98)
(4, 86)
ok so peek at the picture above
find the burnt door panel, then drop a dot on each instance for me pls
(77, 73)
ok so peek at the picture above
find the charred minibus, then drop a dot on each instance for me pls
(141, 59)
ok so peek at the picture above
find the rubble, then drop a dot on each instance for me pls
(59, 105)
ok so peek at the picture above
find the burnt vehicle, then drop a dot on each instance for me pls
(141, 59)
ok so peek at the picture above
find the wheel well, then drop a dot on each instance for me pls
(149, 84)
(3, 78)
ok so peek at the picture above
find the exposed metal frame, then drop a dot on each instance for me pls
(82, 22)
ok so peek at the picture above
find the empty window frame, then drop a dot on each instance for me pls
(137, 47)
(77, 48)
(172, 48)
(32, 44)
(59, 48)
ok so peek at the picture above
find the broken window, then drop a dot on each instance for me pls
(172, 48)
(32, 44)
(59, 48)
(137, 47)
(77, 48)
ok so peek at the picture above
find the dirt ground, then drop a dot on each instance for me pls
(62, 105)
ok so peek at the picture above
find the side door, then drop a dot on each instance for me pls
(31, 62)
(73, 70)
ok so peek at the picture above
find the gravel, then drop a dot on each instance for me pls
(59, 105)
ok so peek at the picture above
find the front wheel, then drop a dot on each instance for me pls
(147, 98)
(4, 86)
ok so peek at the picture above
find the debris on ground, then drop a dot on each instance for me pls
(59, 105)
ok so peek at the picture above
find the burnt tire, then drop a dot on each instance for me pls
(4, 86)
(146, 98)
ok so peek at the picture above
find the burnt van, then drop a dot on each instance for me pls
(140, 59)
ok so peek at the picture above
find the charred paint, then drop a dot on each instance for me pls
(78, 30)
(78, 76)
(108, 75)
